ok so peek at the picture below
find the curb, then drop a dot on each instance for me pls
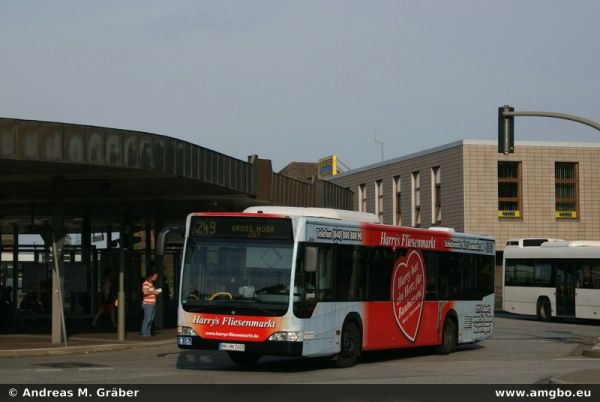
(558, 381)
(586, 376)
(594, 351)
(73, 350)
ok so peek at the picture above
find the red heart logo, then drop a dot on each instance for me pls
(408, 292)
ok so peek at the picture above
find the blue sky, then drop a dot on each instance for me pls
(299, 80)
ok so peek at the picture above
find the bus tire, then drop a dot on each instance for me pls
(449, 337)
(351, 344)
(543, 309)
(244, 359)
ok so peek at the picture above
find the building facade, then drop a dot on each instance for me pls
(543, 189)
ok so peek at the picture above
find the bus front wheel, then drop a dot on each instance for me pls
(543, 310)
(449, 338)
(351, 343)
(244, 359)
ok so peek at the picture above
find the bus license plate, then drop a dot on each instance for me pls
(236, 347)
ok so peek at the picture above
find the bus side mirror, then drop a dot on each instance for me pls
(162, 237)
(310, 259)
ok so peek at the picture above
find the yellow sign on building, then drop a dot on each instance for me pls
(327, 166)
(566, 214)
(509, 214)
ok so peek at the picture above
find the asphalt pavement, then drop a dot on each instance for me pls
(92, 340)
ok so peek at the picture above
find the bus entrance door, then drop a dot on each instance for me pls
(565, 290)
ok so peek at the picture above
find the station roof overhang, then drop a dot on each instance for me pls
(107, 174)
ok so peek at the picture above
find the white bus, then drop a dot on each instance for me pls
(553, 279)
(317, 282)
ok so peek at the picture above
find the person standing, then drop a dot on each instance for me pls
(149, 293)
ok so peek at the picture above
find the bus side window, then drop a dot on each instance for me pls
(595, 275)
(447, 276)
(349, 273)
(358, 280)
(509, 267)
(324, 285)
(379, 272)
(431, 264)
(590, 274)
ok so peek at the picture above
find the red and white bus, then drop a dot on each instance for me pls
(317, 282)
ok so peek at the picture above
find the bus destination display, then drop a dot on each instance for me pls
(241, 228)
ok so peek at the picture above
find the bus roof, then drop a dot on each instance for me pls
(576, 243)
(556, 249)
(531, 241)
(339, 214)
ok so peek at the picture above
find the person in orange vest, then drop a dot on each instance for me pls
(149, 293)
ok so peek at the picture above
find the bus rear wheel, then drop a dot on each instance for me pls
(244, 359)
(449, 338)
(351, 344)
(543, 310)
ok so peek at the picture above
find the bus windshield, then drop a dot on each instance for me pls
(249, 274)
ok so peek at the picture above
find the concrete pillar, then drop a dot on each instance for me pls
(15, 258)
(159, 268)
(148, 249)
(177, 274)
(86, 257)
(59, 333)
(15, 266)
(105, 256)
(121, 309)
(108, 236)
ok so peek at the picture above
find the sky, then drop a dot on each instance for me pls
(300, 80)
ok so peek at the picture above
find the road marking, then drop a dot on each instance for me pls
(574, 359)
(79, 369)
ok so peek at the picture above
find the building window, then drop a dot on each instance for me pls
(397, 201)
(362, 198)
(416, 199)
(566, 185)
(509, 190)
(436, 196)
(379, 200)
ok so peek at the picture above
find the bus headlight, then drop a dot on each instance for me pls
(285, 337)
(186, 331)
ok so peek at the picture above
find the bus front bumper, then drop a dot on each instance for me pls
(279, 348)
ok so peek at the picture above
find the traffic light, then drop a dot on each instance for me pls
(506, 131)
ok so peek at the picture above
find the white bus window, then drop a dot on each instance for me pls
(590, 275)
(543, 273)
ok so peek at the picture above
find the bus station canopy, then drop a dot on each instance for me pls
(117, 176)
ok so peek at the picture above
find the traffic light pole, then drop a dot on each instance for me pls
(556, 116)
(506, 116)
